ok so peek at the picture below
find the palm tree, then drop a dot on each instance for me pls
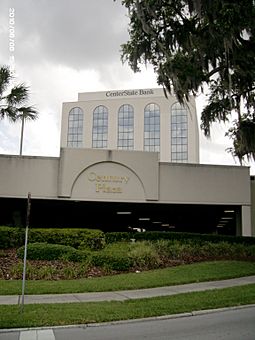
(12, 102)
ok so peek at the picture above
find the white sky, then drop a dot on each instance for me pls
(63, 47)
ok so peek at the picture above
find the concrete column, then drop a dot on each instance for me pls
(246, 220)
(238, 222)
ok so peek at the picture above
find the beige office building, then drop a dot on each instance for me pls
(140, 120)
(128, 159)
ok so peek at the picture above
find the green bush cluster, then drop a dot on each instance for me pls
(95, 239)
(111, 261)
(183, 237)
(49, 252)
(192, 251)
(11, 237)
(77, 238)
(126, 256)
(114, 237)
(85, 238)
(117, 251)
(144, 255)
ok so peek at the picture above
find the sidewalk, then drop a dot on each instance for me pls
(126, 294)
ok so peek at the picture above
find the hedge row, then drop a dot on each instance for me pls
(96, 239)
(77, 238)
(178, 236)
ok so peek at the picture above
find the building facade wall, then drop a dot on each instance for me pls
(126, 176)
(162, 182)
(138, 99)
(20, 175)
(204, 184)
(84, 173)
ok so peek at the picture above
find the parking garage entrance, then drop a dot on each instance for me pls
(116, 216)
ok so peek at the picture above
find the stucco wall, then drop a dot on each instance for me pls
(163, 182)
(20, 175)
(204, 184)
(140, 167)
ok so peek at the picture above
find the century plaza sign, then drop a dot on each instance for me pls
(108, 183)
(129, 93)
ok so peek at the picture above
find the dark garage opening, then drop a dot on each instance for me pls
(115, 216)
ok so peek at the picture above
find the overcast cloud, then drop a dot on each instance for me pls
(63, 47)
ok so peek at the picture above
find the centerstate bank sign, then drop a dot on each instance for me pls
(129, 93)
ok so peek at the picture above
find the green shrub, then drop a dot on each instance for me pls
(192, 251)
(111, 260)
(144, 256)
(77, 256)
(83, 238)
(45, 251)
(250, 251)
(121, 248)
(11, 237)
(93, 243)
(178, 236)
(114, 237)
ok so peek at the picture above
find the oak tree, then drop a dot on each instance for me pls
(193, 44)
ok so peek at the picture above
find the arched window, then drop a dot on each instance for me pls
(100, 127)
(75, 128)
(126, 127)
(152, 128)
(179, 133)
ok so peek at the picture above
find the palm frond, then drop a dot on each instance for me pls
(18, 95)
(5, 77)
(28, 112)
(10, 112)
(12, 104)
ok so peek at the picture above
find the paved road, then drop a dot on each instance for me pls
(230, 324)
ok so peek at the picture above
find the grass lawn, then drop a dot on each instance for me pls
(197, 272)
(80, 313)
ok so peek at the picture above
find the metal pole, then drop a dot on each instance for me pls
(25, 251)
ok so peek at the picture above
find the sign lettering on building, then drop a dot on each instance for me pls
(108, 183)
(125, 93)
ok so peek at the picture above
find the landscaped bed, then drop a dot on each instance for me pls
(76, 261)
(59, 254)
